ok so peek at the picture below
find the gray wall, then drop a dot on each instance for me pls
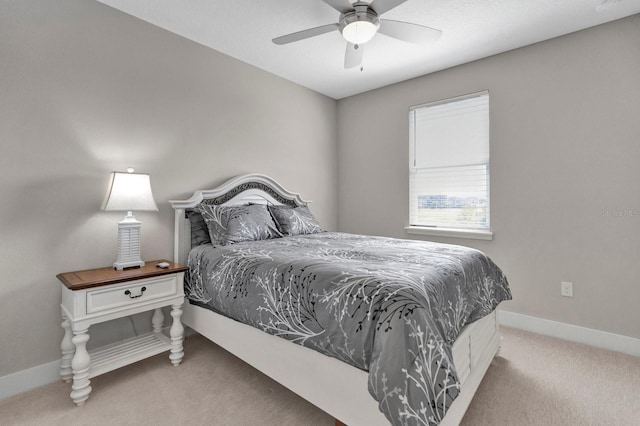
(565, 147)
(84, 90)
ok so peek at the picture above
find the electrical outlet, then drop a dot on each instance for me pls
(566, 289)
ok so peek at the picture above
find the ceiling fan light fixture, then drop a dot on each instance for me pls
(359, 26)
(359, 32)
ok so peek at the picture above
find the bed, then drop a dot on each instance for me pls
(339, 388)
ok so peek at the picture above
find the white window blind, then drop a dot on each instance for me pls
(449, 163)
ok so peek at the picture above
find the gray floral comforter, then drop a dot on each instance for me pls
(391, 307)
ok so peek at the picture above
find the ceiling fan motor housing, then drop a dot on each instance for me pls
(359, 25)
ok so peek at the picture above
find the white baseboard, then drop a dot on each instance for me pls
(573, 333)
(30, 378)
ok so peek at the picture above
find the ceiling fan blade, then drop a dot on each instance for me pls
(353, 56)
(382, 6)
(340, 5)
(405, 31)
(301, 35)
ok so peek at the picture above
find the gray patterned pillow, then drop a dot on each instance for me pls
(295, 220)
(216, 218)
(250, 223)
(234, 224)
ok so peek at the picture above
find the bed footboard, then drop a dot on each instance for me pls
(313, 375)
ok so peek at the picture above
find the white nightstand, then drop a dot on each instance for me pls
(98, 295)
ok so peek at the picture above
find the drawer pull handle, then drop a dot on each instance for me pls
(128, 293)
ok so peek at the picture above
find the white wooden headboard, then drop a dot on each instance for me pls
(241, 190)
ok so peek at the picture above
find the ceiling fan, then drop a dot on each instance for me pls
(359, 22)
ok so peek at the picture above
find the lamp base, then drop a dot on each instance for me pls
(128, 244)
(128, 265)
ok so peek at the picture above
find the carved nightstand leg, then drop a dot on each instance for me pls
(68, 349)
(80, 364)
(176, 333)
(157, 320)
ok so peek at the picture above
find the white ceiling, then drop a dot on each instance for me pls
(471, 29)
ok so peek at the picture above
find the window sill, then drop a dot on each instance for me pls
(473, 234)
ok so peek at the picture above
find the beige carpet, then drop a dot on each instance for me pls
(535, 380)
(538, 380)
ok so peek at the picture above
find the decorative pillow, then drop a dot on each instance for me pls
(216, 218)
(295, 220)
(234, 224)
(199, 230)
(250, 223)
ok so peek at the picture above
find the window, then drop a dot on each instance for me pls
(449, 163)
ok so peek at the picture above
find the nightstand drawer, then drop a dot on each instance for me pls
(131, 293)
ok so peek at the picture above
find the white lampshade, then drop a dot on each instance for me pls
(127, 192)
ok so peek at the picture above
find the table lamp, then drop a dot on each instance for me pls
(128, 192)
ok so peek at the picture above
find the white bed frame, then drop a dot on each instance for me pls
(336, 387)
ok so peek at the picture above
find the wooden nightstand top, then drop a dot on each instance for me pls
(79, 280)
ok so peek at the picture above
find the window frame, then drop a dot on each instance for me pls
(457, 232)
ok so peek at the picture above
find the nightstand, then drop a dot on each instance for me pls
(98, 295)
